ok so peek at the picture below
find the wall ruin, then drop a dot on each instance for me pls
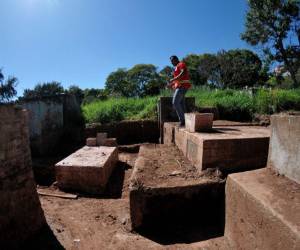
(21, 215)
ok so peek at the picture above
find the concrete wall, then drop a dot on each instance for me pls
(284, 151)
(127, 132)
(20, 211)
(166, 112)
(53, 121)
(45, 123)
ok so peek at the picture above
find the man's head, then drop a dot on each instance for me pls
(174, 60)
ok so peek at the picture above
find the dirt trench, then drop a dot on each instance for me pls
(103, 222)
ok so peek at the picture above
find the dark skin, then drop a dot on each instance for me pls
(175, 62)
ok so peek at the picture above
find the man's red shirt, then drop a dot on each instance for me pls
(184, 80)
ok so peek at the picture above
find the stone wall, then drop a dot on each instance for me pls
(21, 214)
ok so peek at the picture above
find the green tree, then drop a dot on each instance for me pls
(239, 68)
(275, 25)
(7, 88)
(93, 94)
(43, 90)
(117, 84)
(193, 63)
(166, 73)
(78, 92)
(145, 79)
(209, 69)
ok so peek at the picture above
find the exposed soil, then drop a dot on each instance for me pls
(160, 165)
(171, 202)
(103, 222)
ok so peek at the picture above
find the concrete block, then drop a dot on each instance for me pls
(181, 139)
(87, 170)
(91, 142)
(111, 142)
(169, 132)
(228, 148)
(101, 138)
(198, 121)
(284, 153)
(262, 211)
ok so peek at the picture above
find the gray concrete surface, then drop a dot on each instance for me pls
(284, 151)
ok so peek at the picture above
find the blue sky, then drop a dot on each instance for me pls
(81, 41)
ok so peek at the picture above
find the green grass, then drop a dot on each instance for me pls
(117, 109)
(232, 104)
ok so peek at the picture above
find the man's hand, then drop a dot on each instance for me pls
(169, 84)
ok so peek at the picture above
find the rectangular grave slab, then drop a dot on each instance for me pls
(87, 170)
(235, 148)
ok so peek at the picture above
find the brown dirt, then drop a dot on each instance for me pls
(95, 222)
(162, 165)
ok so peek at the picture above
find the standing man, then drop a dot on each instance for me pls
(180, 83)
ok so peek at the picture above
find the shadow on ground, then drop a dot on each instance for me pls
(45, 239)
(181, 232)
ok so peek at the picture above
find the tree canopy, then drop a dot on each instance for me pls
(275, 25)
(44, 90)
(140, 80)
(117, 83)
(7, 88)
(239, 68)
(193, 63)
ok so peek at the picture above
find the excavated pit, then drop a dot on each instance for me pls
(171, 202)
(154, 197)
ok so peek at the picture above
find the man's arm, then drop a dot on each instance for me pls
(177, 77)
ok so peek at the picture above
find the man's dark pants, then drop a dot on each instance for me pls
(179, 103)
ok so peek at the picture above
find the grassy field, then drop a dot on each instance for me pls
(233, 104)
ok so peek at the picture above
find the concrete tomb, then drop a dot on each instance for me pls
(233, 148)
(87, 170)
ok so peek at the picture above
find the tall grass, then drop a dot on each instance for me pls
(117, 109)
(232, 104)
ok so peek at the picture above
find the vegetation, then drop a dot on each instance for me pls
(233, 104)
(141, 80)
(275, 25)
(227, 69)
(220, 80)
(44, 90)
(7, 88)
(117, 109)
